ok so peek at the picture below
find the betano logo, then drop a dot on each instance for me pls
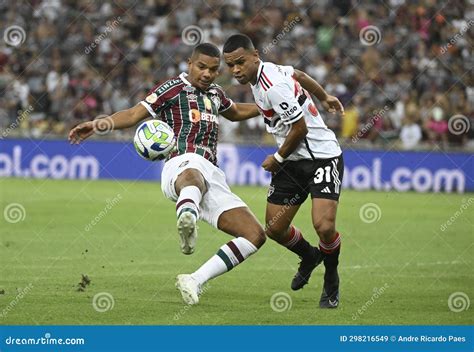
(43, 166)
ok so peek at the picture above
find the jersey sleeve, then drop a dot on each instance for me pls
(157, 99)
(284, 103)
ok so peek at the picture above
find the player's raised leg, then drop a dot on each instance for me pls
(278, 220)
(324, 221)
(250, 236)
(190, 187)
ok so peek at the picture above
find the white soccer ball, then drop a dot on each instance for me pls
(154, 140)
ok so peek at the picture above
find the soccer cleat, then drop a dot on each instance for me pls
(189, 289)
(307, 265)
(330, 295)
(187, 231)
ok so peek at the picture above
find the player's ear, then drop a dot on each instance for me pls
(256, 55)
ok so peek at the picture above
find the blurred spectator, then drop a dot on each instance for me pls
(410, 134)
(437, 127)
(79, 59)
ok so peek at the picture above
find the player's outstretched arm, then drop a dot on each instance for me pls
(120, 120)
(329, 102)
(241, 112)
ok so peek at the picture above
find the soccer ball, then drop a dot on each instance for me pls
(154, 140)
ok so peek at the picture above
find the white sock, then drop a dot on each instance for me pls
(188, 200)
(227, 257)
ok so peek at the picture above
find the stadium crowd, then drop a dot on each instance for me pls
(403, 69)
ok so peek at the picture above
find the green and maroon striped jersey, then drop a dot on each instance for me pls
(193, 114)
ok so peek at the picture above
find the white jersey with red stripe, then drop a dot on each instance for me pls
(282, 101)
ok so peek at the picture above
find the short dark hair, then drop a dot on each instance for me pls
(207, 49)
(237, 41)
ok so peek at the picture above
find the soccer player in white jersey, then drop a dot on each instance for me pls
(308, 160)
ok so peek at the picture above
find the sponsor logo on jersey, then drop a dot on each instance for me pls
(209, 117)
(195, 116)
(192, 97)
(290, 111)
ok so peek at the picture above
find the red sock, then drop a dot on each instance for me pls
(330, 247)
(293, 238)
(297, 244)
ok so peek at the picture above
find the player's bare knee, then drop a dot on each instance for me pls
(325, 230)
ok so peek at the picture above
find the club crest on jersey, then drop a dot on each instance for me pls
(216, 100)
(215, 97)
(152, 98)
(271, 189)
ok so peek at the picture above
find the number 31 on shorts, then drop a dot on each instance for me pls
(322, 173)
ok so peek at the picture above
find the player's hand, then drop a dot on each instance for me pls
(333, 105)
(270, 164)
(81, 132)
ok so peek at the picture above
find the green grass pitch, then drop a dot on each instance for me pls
(400, 269)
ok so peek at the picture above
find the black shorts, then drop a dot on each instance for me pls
(296, 179)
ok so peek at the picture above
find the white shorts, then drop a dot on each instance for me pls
(218, 197)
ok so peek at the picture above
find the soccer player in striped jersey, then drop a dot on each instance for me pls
(191, 104)
(308, 161)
